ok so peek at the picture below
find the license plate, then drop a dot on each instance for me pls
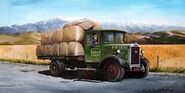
(136, 69)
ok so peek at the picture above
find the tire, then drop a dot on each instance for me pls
(113, 71)
(57, 68)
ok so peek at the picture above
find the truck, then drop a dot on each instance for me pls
(107, 52)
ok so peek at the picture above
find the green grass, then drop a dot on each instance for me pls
(168, 69)
(22, 61)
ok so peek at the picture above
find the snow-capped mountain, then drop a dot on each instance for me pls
(133, 27)
(33, 27)
(59, 22)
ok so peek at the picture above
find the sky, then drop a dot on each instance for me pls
(167, 12)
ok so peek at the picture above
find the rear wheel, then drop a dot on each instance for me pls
(113, 71)
(57, 68)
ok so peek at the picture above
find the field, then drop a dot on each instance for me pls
(165, 55)
(20, 54)
(24, 38)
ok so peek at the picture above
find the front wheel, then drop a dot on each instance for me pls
(57, 68)
(113, 71)
(144, 68)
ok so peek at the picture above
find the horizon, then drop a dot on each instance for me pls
(161, 12)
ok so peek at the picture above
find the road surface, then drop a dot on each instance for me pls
(23, 78)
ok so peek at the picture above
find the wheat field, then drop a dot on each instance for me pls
(23, 52)
(169, 55)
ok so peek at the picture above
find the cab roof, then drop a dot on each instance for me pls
(107, 30)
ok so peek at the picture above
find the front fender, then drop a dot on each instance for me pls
(144, 61)
(120, 61)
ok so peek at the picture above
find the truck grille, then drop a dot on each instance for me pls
(135, 55)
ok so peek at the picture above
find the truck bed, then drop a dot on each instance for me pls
(79, 58)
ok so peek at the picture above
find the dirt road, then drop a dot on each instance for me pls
(23, 78)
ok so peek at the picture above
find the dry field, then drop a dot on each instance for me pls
(22, 52)
(169, 55)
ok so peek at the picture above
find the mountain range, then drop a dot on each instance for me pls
(52, 24)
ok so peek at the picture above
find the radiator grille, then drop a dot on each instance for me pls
(135, 55)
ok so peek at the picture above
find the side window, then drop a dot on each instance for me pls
(88, 40)
(92, 39)
(108, 37)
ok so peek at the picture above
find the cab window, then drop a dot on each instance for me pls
(92, 39)
(119, 38)
(108, 37)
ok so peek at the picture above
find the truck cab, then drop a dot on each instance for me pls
(107, 52)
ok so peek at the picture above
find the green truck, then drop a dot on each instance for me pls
(106, 52)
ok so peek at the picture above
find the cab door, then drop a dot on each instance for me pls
(92, 47)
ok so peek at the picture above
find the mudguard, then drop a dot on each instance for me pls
(120, 61)
(144, 61)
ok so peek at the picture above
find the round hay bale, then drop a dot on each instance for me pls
(75, 49)
(55, 50)
(63, 49)
(97, 26)
(47, 50)
(73, 33)
(84, 24)
(39, 50)
(57, 36)
(46, 38)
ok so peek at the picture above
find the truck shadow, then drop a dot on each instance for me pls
(82, 75)
(76, 75)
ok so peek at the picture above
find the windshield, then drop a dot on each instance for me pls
(108, 37)
(117, 38)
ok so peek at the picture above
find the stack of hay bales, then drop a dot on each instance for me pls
(66, 41)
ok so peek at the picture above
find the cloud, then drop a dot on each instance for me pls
(25, 2)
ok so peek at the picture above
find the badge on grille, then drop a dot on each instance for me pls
(135, 51)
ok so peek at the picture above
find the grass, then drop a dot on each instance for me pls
(24, 38)
(23, 61)
(169, 70)
(169, 55)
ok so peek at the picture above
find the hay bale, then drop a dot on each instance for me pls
(97, 25)
(55, 50)
(63, 49)
(73, 33)
(74, 23)
(85, 24)
(47, 50)
(75, 49)
(57, 36)
(46, 38)
(39, 50)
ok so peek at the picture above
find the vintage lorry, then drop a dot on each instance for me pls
(105, 51)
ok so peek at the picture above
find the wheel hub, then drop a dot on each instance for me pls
(53, 67)
(112, 71)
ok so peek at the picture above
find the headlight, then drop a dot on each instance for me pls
(142, 52)
(118, 51)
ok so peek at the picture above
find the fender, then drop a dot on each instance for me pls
(116, 58)
(144, 61)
